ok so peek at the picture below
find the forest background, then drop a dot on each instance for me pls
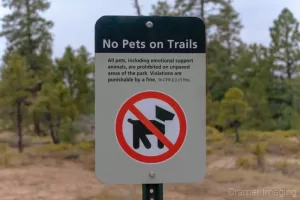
(250, 86)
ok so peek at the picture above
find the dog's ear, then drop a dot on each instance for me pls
(163, 114)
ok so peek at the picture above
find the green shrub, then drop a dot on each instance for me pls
(263, 136)
(286, 134)
(6, 159)
(282, 146)
(213, 134)
(281, 134)
(209, 150)
(280, 164)
(252, 136)
(68, 132)
(86, 145)
(287, 168)
(55, 148)
(12, 140)
(211, 130)
(259, 152)
(4, 148)
(214, 137)
(260, 148)
(245, 163)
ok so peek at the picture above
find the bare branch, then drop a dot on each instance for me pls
(137, 7)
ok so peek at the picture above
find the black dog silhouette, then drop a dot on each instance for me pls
(140, 131)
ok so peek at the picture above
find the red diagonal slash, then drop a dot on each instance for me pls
(151, 127)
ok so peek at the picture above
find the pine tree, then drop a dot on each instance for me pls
(212, 111)
(74, 68)
(228, 27)
(163, 8)
(285, 52)
(54, 102)
(253, 77)
(285, 44)
(233, 110)
(223, 47)
(197, 8)
(27, 33)
(15, 92)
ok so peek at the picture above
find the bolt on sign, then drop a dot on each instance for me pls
(150, 99)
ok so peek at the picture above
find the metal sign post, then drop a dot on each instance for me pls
(152, 192)
(150, 96)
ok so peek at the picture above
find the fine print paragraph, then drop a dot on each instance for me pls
(154, 70)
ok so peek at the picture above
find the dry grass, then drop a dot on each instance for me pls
(72, 180)
(66, 172)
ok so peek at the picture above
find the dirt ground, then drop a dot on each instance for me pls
(46, 182)
(66, 182)
(70, 181)
(54, 179)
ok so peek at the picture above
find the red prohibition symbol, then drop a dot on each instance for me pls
(129, 106)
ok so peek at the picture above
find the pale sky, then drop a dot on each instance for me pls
(74, 19)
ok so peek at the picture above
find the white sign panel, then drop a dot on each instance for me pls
(150, 100)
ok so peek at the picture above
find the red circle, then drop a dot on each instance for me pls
(119, 127)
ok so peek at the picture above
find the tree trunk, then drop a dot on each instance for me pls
(36, 122)
(51, 128)
(202, 4)
(37, 129)
(50, 125)
(30, 61)
(19, 128)
(43, 133)
(57, 129)
(53, 135)
(289, 70)
(237, 134)
(29, 34)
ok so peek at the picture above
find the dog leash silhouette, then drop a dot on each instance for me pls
(140, 131)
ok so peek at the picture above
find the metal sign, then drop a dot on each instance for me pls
(150, 99)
